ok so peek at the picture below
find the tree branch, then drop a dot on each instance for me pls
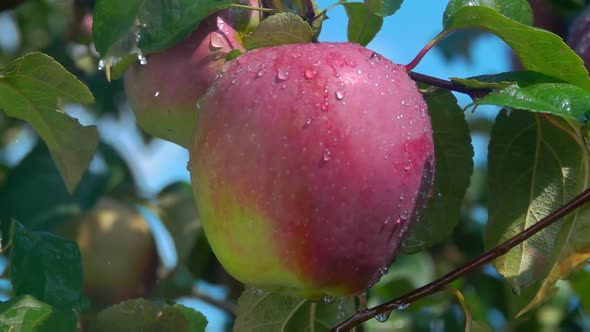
(478, 262)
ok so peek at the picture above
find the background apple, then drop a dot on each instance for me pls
(164, 91)
(309, 164)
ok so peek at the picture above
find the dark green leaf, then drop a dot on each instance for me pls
(454, 165)
(132, 315)
(523, 78)
(63, 321)
(535, 167)
(383, 7)
(182, 319)
(23, 313)
(362, 25)
(24, 195)
(159, 24)
(31, 89)
(518, 10)
(539, 50)
(565, 100)
(279, 29)
(47, 267)
(263, 311)
(407, 273)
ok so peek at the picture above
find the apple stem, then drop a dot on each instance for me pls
(449, 85)
(325, 11)
(425, 50)
(476, 263)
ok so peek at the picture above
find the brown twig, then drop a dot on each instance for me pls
(449, 85)
(478, 262)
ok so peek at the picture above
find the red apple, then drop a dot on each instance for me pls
(309, 164)
(164, 91)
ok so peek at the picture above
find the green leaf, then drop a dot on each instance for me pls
(273, 312)
(383, 7)
(180, 318)
(580, 282)
(159, 24)
(535, 166)
(131, 315)
(523, 78)
(47, 267)
(22, 199)
(518, 10)
(362, 25)
(539, 50)
(565, 100)
(23, 313)
(32, 89)
(454, 166)
(279, 29)
(144, 315)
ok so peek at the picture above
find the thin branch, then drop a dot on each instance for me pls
(226, 306)
(449, 85)
(478, 262)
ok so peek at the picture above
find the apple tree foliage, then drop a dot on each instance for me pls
(538, 160)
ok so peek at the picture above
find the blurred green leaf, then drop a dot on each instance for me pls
(454, 166)
(23, 313)
(536, 165)
(407, 273)
(517, 10)
(32, 89)
(539, 50)
(46, 267)
(279, 29)
(264, 311)
(180, 318)
(34, 194)
(565, 100)
(362, 25)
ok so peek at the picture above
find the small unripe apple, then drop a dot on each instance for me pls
(119, 256)
(309, 164)
(579, 36)
(164, 91)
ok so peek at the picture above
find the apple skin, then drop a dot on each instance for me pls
(118, 251)
(579, 36)
(309, 164)
(163, 92)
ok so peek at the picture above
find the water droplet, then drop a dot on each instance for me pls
(350, 63)
(216, 41)
(325, 106)
(403, 102)
(101, 65)
(310, 74)
(261, 73)
(307, 123)
(403, 307)
(359, 71)
(188, 166)
(256, 291)
(407, 167)
(382, 318)
(142, 59)
(405, 214)
(383, 270)
(328, 299)
(282, 74)
(327, 155)
(339, 94)
(157, 93)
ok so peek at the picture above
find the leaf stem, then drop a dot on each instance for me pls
(425, 50)
(478, 262)
(325, 11)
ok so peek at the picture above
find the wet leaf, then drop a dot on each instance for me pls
(518, 10)
(383, 7)
(279, 29)
(23, 313)
(362, 25)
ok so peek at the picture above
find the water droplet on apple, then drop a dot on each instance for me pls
(157, 93)
(328, 299)
(261, 73)
(327, 155)
(142, 59)
(310, 74)
(405, 214)
(282, 74)
(307, 123)
(325, 106)
(339, 94)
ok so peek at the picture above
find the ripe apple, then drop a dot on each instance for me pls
(118, 251)
(164, 91)
(309, 164)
